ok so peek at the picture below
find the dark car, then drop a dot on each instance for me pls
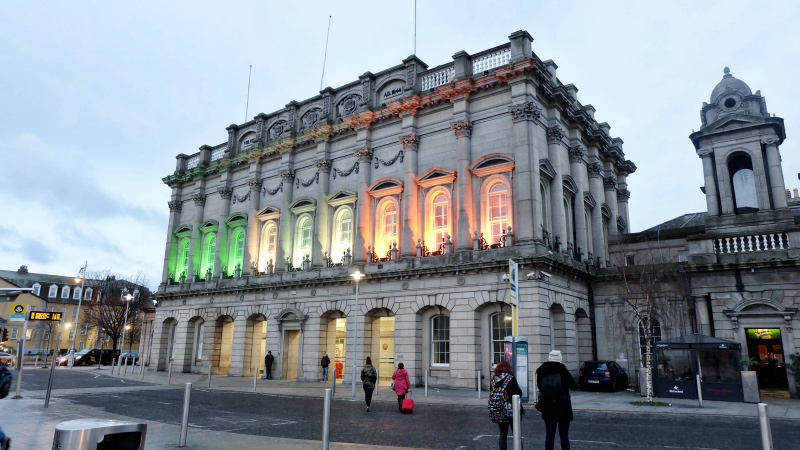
(605, 375)
(131, 357)
(90, 356)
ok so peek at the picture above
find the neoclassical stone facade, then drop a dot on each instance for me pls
(426, 180)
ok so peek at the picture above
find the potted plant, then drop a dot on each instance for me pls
(750, 380)
(747, 363)
(794, 369)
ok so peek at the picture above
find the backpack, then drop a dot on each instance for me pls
(550, 390)
(499, 407)
(5, 381)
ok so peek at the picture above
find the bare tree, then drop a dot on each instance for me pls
(108, 306)
(651, 286)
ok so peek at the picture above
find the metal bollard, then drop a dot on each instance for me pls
(209, 375)
(516, 422)
(377, 383)
(699, 392)
(479, 385)
(255, 378)
(169, 373)
(766, 431)
(326, 418)
(125, 370)
(334, 380)
(426, 383)
(187, 395)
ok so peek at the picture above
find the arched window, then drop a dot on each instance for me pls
(388, 227)
(440, 340)
(342, 232)
(439, 219)
(499, 211)
(76, 294)
(500, 328)
(269, 244)
(200, 331)
(65, 292)
(37, 288)
(209, 255)
(53, 291)
(655, 336)
(182, 264)
(545, 208)
(570, 220)
(236, 252)
(88, 295)
(740, 169)
(302, 240)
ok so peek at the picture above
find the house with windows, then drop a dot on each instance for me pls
(427, 180)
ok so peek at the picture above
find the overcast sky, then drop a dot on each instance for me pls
(97, 98)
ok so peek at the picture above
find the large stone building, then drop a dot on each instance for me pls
(427, 180)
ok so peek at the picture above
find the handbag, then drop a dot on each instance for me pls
(392, 386)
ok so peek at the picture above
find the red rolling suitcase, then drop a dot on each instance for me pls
(408, 404)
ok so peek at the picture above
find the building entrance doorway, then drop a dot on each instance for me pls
(765, 345)
(291, 352)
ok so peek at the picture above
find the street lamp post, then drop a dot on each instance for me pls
(128, 297)
(357, 275)
(82, 277)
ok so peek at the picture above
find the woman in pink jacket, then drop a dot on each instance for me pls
(402, 384)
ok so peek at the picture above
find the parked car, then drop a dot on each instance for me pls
(606, 375)
(131, 357)
(8, 359)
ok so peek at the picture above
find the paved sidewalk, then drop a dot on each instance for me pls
(32, 427)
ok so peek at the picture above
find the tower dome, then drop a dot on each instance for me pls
(730, 85)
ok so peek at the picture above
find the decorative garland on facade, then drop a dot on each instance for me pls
(391, 161)
(265, 191)
(308, 183)
(241, 199)
(347, 172)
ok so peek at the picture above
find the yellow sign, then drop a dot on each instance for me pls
(44, 315)
(18, 311)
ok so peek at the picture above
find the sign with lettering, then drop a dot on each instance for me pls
(392, 90)
(764, 333)
(18, 312)
(45, 315)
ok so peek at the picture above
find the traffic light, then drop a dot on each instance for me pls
(5, 335)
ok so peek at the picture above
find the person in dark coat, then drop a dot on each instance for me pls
(369, 377)
(502, 371)
(325, 362)
(269, 360)
(558, 414)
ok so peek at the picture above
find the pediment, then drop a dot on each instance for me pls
(492, 164)
(436, 176)
(569, 184)
(303, 204)
(209, 225)
(342, 197)
(268, 213)
(183, 230)
(386, 186)
(588, 199)
(236, 219)
(733, 121)
(546, 169)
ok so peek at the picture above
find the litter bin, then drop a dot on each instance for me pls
(99, 434)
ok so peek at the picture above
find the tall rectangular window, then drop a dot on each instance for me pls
(501, 327)
(440, 340)
(441, 219)
(498, 211)
(65, 292)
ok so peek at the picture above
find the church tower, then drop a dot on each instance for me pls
(738, 143)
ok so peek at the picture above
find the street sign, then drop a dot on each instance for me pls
(45, 315)
(18, 312)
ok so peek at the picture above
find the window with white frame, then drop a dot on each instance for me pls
(65, 292)
(500, 328)
(88, 295)
(209, 254)
(388, 227)
(439, 220)
(342, 232)
(302, 240)
(236, 252)
(498, 214)
(182, 264)
(269, 244)
(440, 340)
(37, 288)
(200, 331)
(71, 335)
(75, 314)
(84, 329)
(76, 294)
(53, 291)
(14, 333)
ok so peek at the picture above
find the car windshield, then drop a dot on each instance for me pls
(595, 366)
(82, 352)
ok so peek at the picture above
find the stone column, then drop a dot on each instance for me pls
(712, 199)
(363, 213)
(577, 167)
(595, 172)
(221, 254)
(322, 226)
(610, 186)
(777, 184)
(285, 231)
(701, 312)
(526, 180)
(252, 237)
(410, 204)
(196, 245)
(465, 213)
(554, 136)
(175, 206)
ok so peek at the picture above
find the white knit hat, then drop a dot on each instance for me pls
(555, 355)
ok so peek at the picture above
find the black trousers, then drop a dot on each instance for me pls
(550, 436)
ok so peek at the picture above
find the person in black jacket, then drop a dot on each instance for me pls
(502, 371)
(325, 362)
(558, 413)
(269, 360)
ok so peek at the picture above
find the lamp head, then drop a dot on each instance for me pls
(128, 297)
(357, 275)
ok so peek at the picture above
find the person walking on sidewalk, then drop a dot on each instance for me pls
(325, 363)
(269, 360)
(402, 384)
(369, 377)
(554, 383)
(504, 387)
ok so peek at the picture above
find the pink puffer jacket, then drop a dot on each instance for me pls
(402, 383)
